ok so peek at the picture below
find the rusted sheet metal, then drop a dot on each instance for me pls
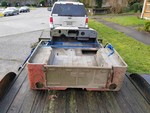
(36, 76)
(61, 68)
(56, 78)
(118, 77)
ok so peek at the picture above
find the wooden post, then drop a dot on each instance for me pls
(146, 10)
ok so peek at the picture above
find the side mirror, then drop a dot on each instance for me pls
(49, 9)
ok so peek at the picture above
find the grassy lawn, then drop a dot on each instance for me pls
(127, 20)
(135, 54)
(1, 15)
(32, 8)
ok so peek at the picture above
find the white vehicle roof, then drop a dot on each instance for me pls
(11, 8)
(69, 2)
(24, 7)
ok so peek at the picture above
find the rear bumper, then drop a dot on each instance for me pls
(39, 80)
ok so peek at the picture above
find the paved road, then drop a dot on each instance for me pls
(14, 49)
(25, 22)
(17, 34)
(140, 36)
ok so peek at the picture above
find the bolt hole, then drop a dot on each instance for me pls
(82, 33)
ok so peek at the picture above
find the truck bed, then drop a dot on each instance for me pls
(20, 99)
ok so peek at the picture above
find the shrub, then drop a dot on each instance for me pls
(116, 9)
(125, 9)
(16, 4)
(4, 4)
(147, 26)
(42, 2)
(135, 7)
(140, 7)
(34, 5)
(28, 5)
(99, 3)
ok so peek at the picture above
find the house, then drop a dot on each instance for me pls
(146, 10)
(19, 2)
(92, 3)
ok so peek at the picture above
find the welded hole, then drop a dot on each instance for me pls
(39, 85)
(113, 86)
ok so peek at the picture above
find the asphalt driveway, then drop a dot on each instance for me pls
(130, 31)
(17, 34)
(25, 22)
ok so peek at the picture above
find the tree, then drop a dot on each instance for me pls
(90, 3)
(4, 4)
(115, 6)
(42, 2)
(99, 3)
(131, 2)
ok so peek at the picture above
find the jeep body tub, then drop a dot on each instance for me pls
(61, 65)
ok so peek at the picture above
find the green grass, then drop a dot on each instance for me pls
(127, 20)
(135, 53)
(33, 8)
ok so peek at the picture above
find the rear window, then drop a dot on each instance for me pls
(69, 10)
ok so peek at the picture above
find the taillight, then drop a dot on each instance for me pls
(86, 21)
(51, 19)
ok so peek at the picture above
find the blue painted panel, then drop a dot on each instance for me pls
(74, 44)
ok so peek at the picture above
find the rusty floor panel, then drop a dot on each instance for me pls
(20, 99)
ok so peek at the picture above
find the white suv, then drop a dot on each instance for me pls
(68, 14)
